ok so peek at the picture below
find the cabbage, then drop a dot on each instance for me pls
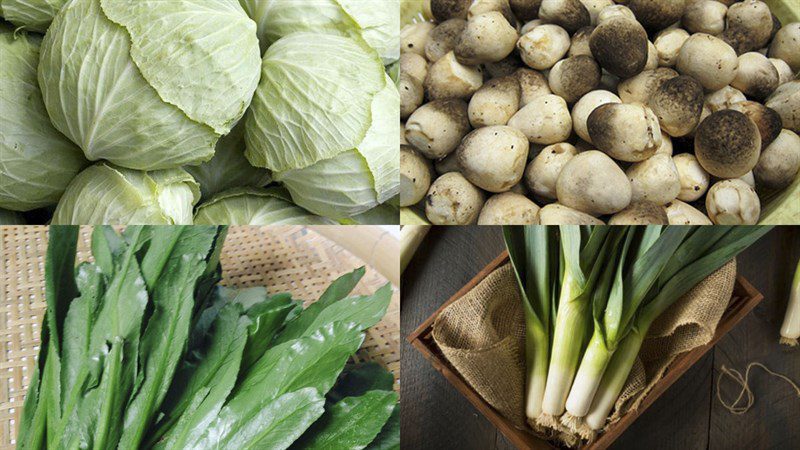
(10, 218)
(34, 15)
(377, 25)
(149, 84)
(384, 214)
(254, 206)
(228, 168)
(36, 161)
(356, 180)
(105, 194)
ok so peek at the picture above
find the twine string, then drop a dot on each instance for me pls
(743, 382)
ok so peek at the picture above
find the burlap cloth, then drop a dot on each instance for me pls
(482, 336)
(284, 259)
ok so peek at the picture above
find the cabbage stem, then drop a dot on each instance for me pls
(790, 330)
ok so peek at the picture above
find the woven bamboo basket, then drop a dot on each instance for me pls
(284, 259)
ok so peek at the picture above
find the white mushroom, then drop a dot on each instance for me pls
(493, 158)
(626, 132)
(723, 98)
(415, 176)
(655, 179)
(779, 163)
(640, 213)
(414, 65)
(488, 37)
(786, 45)
(495, 102)
(704, 16)
(509, 208)
(411, 94)
(709, 60)
(694, 179)
(786, 102)
(448, 78)
(668, 43)
(436, 128)
(733, 202)
(452, 200)
(542, 173)
(584, 107)
(785, 73)
(593, 183)
(414, 37)
(543, 46)
(544, 120)
(556, 214)
(680, 213)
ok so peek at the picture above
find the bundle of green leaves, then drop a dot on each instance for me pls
(143, 349)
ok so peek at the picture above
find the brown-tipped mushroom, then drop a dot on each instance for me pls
(678, 104)
(584, 107)
(749, 25)
(436, 128)
(709, 60)
(495, 102)
(569, 14)
(448, 78)
(488, 37)
(779, 163)
(727, 144)
(532, 84)
(640, 88)
(525, 10)
(579, 45)
(507, 66)
(626, 132)
(573, 77)
(656, 15)
(786, 102)
(640, 213)
(620, 46)
(766, 119)
(442, 39)
(543, 46)
(757, 78)
(704, 16)
(449, 9)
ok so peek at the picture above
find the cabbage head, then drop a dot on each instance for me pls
(33, 15)
(377, 23)
(149, 84)
(356, 180)
(106, 194)
(36, 161)
(10, 218)
(254, 206)
(228, 168)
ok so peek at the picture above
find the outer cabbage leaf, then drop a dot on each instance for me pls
(10, 218)
(200, 55)
(384, 214)
(314, 100)
(105, 194)
(380, 25)
(228, 168)
(34, 15)
(358, 180)
(36, 161)
(97, 95)
(254, 206)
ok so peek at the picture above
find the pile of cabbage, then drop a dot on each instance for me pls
(199, 111)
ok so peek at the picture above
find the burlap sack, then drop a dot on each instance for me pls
(482, 336)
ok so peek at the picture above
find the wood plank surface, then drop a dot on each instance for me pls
(688, 416)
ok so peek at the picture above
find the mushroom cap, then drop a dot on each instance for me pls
(727, 144)
(573, 77)
(709, 60)
(436, 128)
(757, 77)
(733, 202)
(766, 119)
(620, 46)
(452, 200)
(442, 39)
(626, 132)
(656, 15)
(678, 104)
(449, 9)
(509, 208)
(493, 158)
(415, 176)
(640, 213)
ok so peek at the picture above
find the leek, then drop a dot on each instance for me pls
(411, 236)
(790, 331)
(703, 263)
(535, 261)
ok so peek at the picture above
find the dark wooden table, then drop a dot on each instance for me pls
(688, 416)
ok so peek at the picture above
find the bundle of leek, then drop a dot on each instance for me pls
(588, 309)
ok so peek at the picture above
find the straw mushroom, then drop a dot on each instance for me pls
(766, 119)
(626, 132)
(727, 144)
(593, 183)
(543, 46)
(479, 7)
(680, 213)
(779, 163)
(668, 43)
(786, 45)
(594, 7)
(542, 173)
(704, 16)
(449, 9)
(572, 77)
(436, 128)
(579, 44)
(509, 208)
(488, 37)
(733, 202)
(694, 180)
(652, 57)
(544, 120)
(640, 213)
(525, 10)
(757, 77)
(569, 14)
(655, 179)
(785, 73)
(495, 102)
(442, 39)
(749, 25)
(415, 176)
(493, 158)
(639, 88)
(610, 12)
(452, 200)
(556, 214)
(620, 46)
(414, 37)
(724, 98)
(709, 60)
(448, 78)
(678, 104)
(584, 107)
(656, 15)
(532, 84)
(414, 65)
(786, 102)
(411, 94)
(503, 68)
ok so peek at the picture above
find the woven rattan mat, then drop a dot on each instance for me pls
(285, 259)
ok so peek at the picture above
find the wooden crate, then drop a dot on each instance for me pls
(745, 298)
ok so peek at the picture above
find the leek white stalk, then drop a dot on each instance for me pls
(790, 330)
(411, 236)
(714, 256)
